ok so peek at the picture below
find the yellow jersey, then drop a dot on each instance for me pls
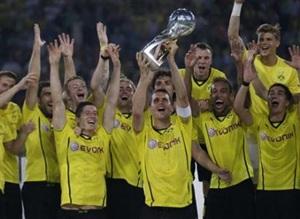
(2, 133)
(278, 73)
(12, 115)
(82, 164)
(166, 160)
(41, 163)
(201, 89)
(278, 162)
(125, 163)
(226, 145)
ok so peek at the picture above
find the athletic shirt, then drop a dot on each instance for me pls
(278, 164)
(278, 73)
(2, 133)
(226, 146)
(201, 89)
(82, 165)
(41, 164)
(13, 117)
(165, 160)
(124, 155)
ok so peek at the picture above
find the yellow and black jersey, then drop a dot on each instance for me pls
(226, 145)
(124, 155)
(269, 75)
(12, 115)
(165, 159)
(2, 133)
(41, 164)
(201, 89)
(278, 142)
(82, 163)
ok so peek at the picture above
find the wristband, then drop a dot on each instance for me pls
(236, 10)
(184, 112)
(246, 84)
(104, 57)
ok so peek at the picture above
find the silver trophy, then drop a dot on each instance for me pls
(181, 23)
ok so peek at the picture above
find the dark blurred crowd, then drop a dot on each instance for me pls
(132, 24)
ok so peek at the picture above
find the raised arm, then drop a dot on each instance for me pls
(240, 99)
(189, 61)
(67, 50)
(181, 94)
(58, 118)
(100, 76)
(113, 89)
(34, 67)
(29, 80)
(201, 157)
(234, 22)
(140, 96)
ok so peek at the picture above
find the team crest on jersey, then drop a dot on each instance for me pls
(152, 143)
(263, 136)
(74, 146)
(45, 127)
(281, 76)
(211, 132)
(116, 123)
(209, 87)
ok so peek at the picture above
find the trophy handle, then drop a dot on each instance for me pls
(150, 50)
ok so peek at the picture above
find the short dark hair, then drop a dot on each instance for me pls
(288, 93)
(203, 46)
(269, 28)
(160, 73)
(225, 81)
(9, 74)
(162, 91)
(42, 85)
(80, 107)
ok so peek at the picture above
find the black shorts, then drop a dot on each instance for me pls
(2, 207)
(203, 173)
(277, 204)
(235, 202)
(124, 199)
(12, 200)
(167, 213)
(84, 214)
(41, 200)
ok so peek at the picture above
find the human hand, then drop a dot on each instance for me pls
(190, 57)
(295, 57)
(37, 36)
(102, 37)
(66, 44)
(27, 128)
(54, 52)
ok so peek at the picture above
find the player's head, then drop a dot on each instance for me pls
(268, 39)
(45, 99)
(204, 60)
(279, 98)
(127, 89)
(221, 96)
(163, 80)
(7, 80)
(87, 117)
(161, 104)
(76, 89)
